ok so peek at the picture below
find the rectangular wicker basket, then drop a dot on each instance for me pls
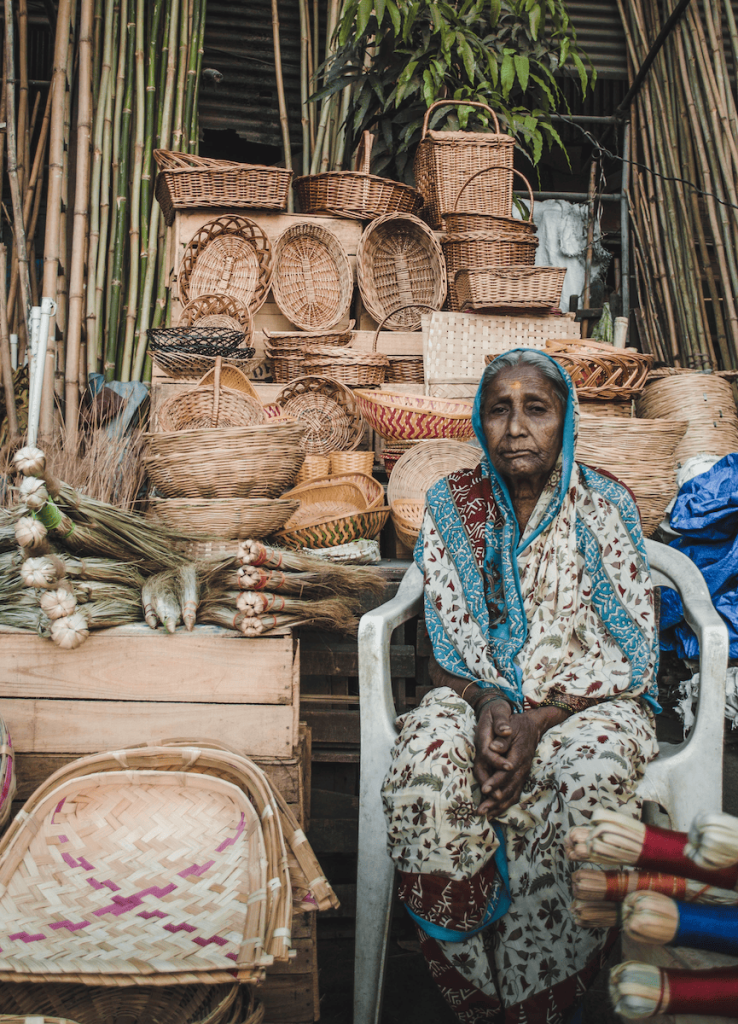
(510, 288)
(185, 181)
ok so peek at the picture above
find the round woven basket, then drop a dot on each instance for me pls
(400, 264)
(599, 371)
(371, 489)
(231, 256)
(135, 1004)
(399, 417)
(639, 452)
(224, 517)
(424, 464)
(217, 311)
(706, 401)
(312, 282)
(352, 462)
(357, 194)
(444, 161)
(343, 530)
(209, 407)
(314, 467)
(245, 462)
(407, 516)
(354, 369)
(327, 411)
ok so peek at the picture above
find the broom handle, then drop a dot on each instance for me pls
(216, 389)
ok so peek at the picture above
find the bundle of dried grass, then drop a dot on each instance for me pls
(301, 584)
(650, 917)
(589, 914)
(339, 578)
(160, 600)
(333, 614)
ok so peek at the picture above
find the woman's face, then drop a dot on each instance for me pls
(523, 422)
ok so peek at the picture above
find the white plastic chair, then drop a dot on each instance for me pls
(685, 778)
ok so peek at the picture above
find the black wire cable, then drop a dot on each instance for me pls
(601, 150)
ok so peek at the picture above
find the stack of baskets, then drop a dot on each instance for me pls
(607, 379)
(490, 255)
(705, 400)
(286, 349)
(211, 325)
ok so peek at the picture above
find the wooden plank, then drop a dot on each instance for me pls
(334, 728)
(88, 726)
(157, 667)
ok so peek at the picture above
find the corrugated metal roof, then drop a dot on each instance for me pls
(600, 34)
(238, 43)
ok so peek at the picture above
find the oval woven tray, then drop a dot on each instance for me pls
(228, 255)
(328, 412)
(206, 836)
(599, 371)
(342, 530)
(224, 517)
(312, 282)
(399, 263)
(371, 489)
(399, 417)
(425, 463)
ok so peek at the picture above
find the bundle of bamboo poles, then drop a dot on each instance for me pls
(125, 81)
(685, 127)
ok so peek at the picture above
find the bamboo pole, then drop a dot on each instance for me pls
(194, 144)
(124, 359)
(197, 17)
(53, 204)
(5, 363)
(79, 233)
(96, 187)
(304, 105)
(97, 51)
(22, 125)
(19, 228)
(62, 285)
(155, 223)
(178, 128)
(121, 211)
(281, 100)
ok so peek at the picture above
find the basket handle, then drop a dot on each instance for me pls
(457, 103)
(364, 153)
(497, 167)
(216, 390)
(167, 160)
(409, 305)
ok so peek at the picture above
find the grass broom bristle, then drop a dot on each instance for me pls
(339, 578)
(650, 917)
(638, 990)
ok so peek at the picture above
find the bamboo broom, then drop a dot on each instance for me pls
(53, 203)
(300, 584)
(79, 235)
(343, 579)
(713, 841)
(639, 991)
(614, 886)
(651, 918)
(595, 914)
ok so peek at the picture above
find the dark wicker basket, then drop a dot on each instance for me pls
(201, 341)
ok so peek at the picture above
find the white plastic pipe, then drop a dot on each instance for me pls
(39, 324)
(14, 351)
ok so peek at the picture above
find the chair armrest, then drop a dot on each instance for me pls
(375, 682)
(673, 569)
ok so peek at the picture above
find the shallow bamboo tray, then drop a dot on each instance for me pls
(312, 281)
(207, 837)
(228, 255)
(327, 411)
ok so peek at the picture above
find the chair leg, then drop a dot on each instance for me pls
(374, 890)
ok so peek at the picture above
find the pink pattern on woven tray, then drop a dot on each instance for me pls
(216, 935)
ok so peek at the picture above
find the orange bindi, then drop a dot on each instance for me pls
(515, 384)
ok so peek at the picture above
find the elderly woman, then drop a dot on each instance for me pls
(539, 606)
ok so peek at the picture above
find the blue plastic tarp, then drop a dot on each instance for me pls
(705, 514)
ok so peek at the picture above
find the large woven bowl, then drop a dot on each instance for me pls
(399, 262)
(407, 517)
(312, 282)
(398, 417)
(134, 1004)
(194, 867)
(228, 255)
(210, 407)
(342, 530)
(328, 412)
(641, 453)
(224, 517)
(247, 462)
(425, 463)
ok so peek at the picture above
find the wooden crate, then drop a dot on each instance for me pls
(132, 685)
(290, 992)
